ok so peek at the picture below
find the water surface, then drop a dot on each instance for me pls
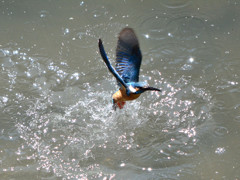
(56, 118)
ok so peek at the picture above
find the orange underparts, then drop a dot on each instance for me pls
(120, 97)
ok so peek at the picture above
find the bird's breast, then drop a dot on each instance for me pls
(121, 95)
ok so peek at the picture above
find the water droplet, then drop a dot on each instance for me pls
(4, 99)
(66, 31)
(15, 52)
(149, 169)
(146, 36)
(28, 74)
(227, 52)
(170, 35)
(191, 59)
(186, 67)
(122, 165)
(81, 3)
(43, 14)
(220, 150)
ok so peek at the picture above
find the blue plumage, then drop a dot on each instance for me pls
(128, 56)
(128, 62)
(107, 62)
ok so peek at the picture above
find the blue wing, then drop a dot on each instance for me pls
(128, 56)
(111, 69)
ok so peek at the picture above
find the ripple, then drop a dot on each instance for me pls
(187, 27)
(171, 52)
(235, 174)
(237, 118)
(175, 4)
(61, 105)
(74, 133)
(220, 131)
(227, 75)
(43, 14)
(152, 25)
(100, 11)
(152, 21)
(72, 128)
(89, 35)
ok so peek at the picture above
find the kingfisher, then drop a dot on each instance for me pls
(128, 62)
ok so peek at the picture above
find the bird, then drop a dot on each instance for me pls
(128, 62)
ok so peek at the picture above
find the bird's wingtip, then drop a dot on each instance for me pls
(99, 42)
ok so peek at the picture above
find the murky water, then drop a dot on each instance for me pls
(56, 118)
